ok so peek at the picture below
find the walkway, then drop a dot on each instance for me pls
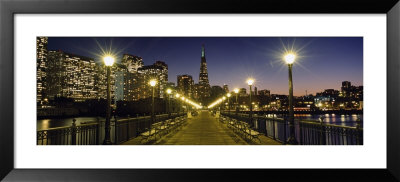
(204, 129)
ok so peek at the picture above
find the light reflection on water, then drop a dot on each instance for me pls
(342, 119)
(44, 124)
(336, 119)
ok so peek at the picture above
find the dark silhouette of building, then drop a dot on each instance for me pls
(264, 93)
(242, 92)
(329, 93)
(217, 92)
(226, 89)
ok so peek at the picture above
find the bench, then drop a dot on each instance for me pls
(162, 127)
(147, 134)
(244, 129)
(253, 134)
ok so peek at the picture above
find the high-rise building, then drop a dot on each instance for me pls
(255, 91)
(158, 71)
(129, 78)
(264, 93)
(41, 61)
(119, 85)
(132, 62)
(169, 85)
(76, 77)
(185, 85)
(242, 92)
(346, 84)
(195, 92)
(204, 85)
(217, 91)
(131, 86)
(348, 90)
(226, 89)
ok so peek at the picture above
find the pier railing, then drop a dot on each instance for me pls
(93, 133)
(86, 134)
(307, 132)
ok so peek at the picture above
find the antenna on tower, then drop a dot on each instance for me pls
(203, 52)
(306, 93)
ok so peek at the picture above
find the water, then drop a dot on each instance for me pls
(44, 124)
(336, 119)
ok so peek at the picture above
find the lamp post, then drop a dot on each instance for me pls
(177, 97)
(183, 103)
(153, 83)
(236, 90)
(289, 59)
(223, 103)
(250, 83)
(108, 61)
(169, 91)
(229, 106)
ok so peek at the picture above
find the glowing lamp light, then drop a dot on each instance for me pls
(290, 58)
(236, 90)
(250, 81)
(228, 95)
(177, 95)
(108, 60)
(169, 91)
(153, 83)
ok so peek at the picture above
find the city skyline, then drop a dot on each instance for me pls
(324, 61)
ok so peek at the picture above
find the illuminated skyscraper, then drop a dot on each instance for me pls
(41, 61)
(204, 84)
(185, 85)
(158, 71)
(132, 62)
(128, 79)
(76, 77)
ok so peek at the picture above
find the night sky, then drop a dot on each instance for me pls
(322, 62)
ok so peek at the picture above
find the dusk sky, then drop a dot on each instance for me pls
(323, 62)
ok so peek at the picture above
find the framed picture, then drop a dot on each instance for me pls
(254, 90)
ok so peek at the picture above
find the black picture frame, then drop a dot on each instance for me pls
(9, 8)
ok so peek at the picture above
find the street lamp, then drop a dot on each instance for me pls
(152, 83)
(108, 61)
(236, 90)
(229, 108)
(250, 82)
(169, 91)
(289, 59)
